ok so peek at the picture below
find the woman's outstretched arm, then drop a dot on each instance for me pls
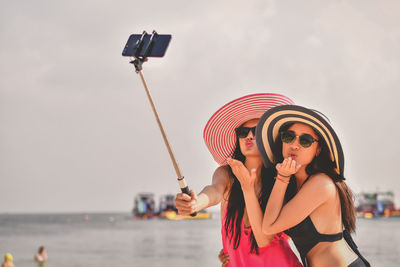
(210, 195)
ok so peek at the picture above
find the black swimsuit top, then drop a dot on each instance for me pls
(305, 236)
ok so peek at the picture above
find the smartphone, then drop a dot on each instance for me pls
(135, 48)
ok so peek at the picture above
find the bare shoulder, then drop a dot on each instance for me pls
(221, 175)
(222, 171)
(322, 183)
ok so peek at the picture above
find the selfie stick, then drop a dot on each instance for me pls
(138, 62)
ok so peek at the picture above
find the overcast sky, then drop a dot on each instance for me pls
(77, 133)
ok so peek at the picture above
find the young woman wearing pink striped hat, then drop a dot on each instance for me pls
(230, 134)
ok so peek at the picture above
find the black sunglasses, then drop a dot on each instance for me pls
(305, 140)
(243, 132)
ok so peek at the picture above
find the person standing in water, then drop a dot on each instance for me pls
(8, 260)
(41, 257)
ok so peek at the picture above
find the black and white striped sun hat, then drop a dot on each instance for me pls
(272, 120)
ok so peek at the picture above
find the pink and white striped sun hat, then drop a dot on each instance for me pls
(219, 133)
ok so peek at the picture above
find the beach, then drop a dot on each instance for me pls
(116, 239)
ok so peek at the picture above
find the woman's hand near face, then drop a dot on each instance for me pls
(246, 178)
(288, 167)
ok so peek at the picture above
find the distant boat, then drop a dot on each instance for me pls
(376, 204)
(168, 210)
(167, 203)
(144, 206)
(200, 215)
(174, 216)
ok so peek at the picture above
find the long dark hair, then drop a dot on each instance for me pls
(323, 164)
(236, 203)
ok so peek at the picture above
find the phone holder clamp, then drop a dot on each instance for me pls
(140, 57)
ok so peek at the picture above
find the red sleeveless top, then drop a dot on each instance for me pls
(276, 253)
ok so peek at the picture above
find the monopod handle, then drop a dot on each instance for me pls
(185, 190)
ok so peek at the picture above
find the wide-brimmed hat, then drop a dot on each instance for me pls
(272, 120)
(219, 133)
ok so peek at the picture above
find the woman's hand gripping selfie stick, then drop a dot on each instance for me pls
(181, 180)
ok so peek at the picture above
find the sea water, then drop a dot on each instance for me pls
(96, 240)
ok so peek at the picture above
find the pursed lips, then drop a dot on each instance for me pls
(249, 144)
